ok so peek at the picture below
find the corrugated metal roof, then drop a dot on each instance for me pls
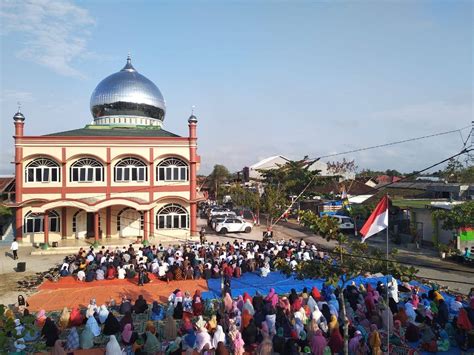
(115, 132)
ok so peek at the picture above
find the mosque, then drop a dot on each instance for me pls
(122, 176)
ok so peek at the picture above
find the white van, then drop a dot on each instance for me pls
(345, 223)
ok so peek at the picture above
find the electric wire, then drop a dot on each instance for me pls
(390, 143)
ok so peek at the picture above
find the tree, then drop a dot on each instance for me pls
(349, 260)
(220, 174)
(274, 203)
(457, 172)
(291, 177)
(341, 168)
(245, 197)
(460, 216)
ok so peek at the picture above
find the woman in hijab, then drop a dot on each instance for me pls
(178, 311)
(50, 332)
(91, 308)
(336, 341)
(170, 332)
(58, 348)
(157, 312)
(375, 341)
(40, 318)
(87, 338)
(333, 324)
(219, 336)
(126, 319)
(140, 305)
(76, 318)
(325, 311)
(64, 318)
(113, 347)
(103, 314)
(111, 325)
(128, 336)
(93, 326)
(354, 342)
(72, 341)
(198, 307)
(249, 333)
(239, 344)
(245, 319)
(318, 343)
(203, 340)
(228, 303)
(249, 307)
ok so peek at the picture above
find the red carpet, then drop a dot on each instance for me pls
(71, 293)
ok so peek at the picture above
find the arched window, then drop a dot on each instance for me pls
(87, 170)
(172, 216)
(42, 170)
(130, 169)
(33, 222)
(119, 216)
(172, 169)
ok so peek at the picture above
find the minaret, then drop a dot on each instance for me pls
(192, 123)
(19, 121)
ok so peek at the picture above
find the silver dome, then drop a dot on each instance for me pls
(127, 93)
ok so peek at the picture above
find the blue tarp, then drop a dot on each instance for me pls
(252, 282)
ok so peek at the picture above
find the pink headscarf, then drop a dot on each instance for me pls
(228, 302)
(270, 295)
(415, 300)
(238, 341)
(127, 332)
(318, 343)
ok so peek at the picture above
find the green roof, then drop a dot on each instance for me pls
(115, 131)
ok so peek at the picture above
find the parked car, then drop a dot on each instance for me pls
(218, 210)
(212, 222)
(233, 225)
(345, 223)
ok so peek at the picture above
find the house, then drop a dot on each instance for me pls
(277, 161)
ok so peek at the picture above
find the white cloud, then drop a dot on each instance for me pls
(55, 32)
(9, 95)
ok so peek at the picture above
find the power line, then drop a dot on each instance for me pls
(391, 143)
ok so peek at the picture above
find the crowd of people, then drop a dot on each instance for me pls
(191, 261)
(309, 322)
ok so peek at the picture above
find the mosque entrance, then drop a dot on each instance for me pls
(81, 224)
(130, 223)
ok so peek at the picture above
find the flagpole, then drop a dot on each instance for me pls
(387, 305)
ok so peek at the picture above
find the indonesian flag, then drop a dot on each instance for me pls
(377, 221)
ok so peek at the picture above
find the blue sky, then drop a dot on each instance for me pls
(266, 77)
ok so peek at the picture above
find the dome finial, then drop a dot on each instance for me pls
(192, 118)
(18, 115)
(128, 66)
